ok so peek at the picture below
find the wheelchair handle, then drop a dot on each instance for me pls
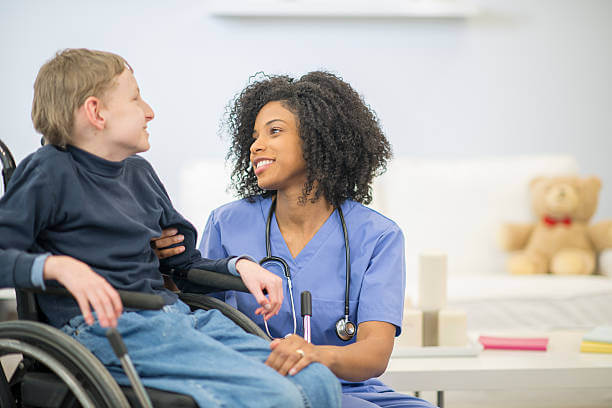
(8, 164)
(114, 338)
(130, 300)
(306, 298)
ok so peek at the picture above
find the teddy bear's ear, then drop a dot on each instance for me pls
(535, 181)
(593, 183)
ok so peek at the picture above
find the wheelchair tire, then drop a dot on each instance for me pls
(205, 302)
(54, 347)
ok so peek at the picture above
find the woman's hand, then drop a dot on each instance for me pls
(87, 287)
(292, 354)
(367, 357)
(256, 279)
(169, 236)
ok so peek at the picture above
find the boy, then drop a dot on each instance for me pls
(91, 207)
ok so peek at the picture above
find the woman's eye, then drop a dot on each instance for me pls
(275, 130)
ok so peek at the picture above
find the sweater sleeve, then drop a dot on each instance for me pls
(25, 210)
(191, 257)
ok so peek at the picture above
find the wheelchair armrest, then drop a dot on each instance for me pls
(132, 300)
(214, 281)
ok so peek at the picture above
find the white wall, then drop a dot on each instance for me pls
(526, 76)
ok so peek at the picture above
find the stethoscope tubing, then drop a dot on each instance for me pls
(347, 254)
(286, 271)
(285, 268)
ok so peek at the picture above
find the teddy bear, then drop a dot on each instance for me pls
(561, 241)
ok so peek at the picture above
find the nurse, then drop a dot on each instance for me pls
(304, 153)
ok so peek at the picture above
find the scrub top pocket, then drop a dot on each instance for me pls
(325, 314)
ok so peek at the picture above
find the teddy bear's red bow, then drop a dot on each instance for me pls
(553, 221)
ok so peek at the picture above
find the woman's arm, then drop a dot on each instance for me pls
(364, 359)
(380, 307)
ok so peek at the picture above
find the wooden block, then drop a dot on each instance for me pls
(432, 281)
(452, 328)
(412, 329)
(430, 328)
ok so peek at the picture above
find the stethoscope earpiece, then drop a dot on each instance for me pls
(345, 329)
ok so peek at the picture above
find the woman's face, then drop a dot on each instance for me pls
(276, 152)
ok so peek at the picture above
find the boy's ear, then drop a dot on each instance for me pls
(91, 109)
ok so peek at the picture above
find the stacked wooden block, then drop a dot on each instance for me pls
(431, 323)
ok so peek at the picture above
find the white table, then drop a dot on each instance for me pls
(562, 366)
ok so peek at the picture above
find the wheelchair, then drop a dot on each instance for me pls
(57, 371)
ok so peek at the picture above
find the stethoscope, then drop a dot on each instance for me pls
(345, 329)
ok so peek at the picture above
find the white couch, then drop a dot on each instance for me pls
(457, 206)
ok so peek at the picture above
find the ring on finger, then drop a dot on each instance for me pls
(300, 352)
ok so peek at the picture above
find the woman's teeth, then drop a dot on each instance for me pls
(263, 163)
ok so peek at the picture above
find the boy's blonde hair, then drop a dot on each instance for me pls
(63, 84)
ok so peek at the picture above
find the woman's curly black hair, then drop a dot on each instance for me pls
(343, 144)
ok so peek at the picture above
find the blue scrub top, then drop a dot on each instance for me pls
(378, 266)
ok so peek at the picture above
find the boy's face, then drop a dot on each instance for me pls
(126, 115)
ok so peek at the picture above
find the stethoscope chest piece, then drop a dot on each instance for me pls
(345, 329)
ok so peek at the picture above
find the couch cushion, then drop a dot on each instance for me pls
(536, 302)
(202, 188)
(457, 206)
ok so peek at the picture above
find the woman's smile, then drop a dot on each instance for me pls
(262, 164)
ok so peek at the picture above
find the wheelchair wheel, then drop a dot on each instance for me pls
(85, 376)
(198, 301)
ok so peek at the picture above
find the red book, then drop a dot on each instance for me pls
(513, 343)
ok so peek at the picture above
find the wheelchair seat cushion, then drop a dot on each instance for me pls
(45, 390)
(161, 399)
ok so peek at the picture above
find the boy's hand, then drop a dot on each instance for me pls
(256, 279)
(168, 237)
(87, 287)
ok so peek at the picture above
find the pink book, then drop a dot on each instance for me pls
(513, 343)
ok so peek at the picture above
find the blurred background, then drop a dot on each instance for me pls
(518, 77)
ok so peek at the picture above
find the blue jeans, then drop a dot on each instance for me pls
(205, 355)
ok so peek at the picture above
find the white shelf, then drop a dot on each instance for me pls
(343, 8)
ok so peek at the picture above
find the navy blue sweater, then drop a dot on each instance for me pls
(70, 202)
